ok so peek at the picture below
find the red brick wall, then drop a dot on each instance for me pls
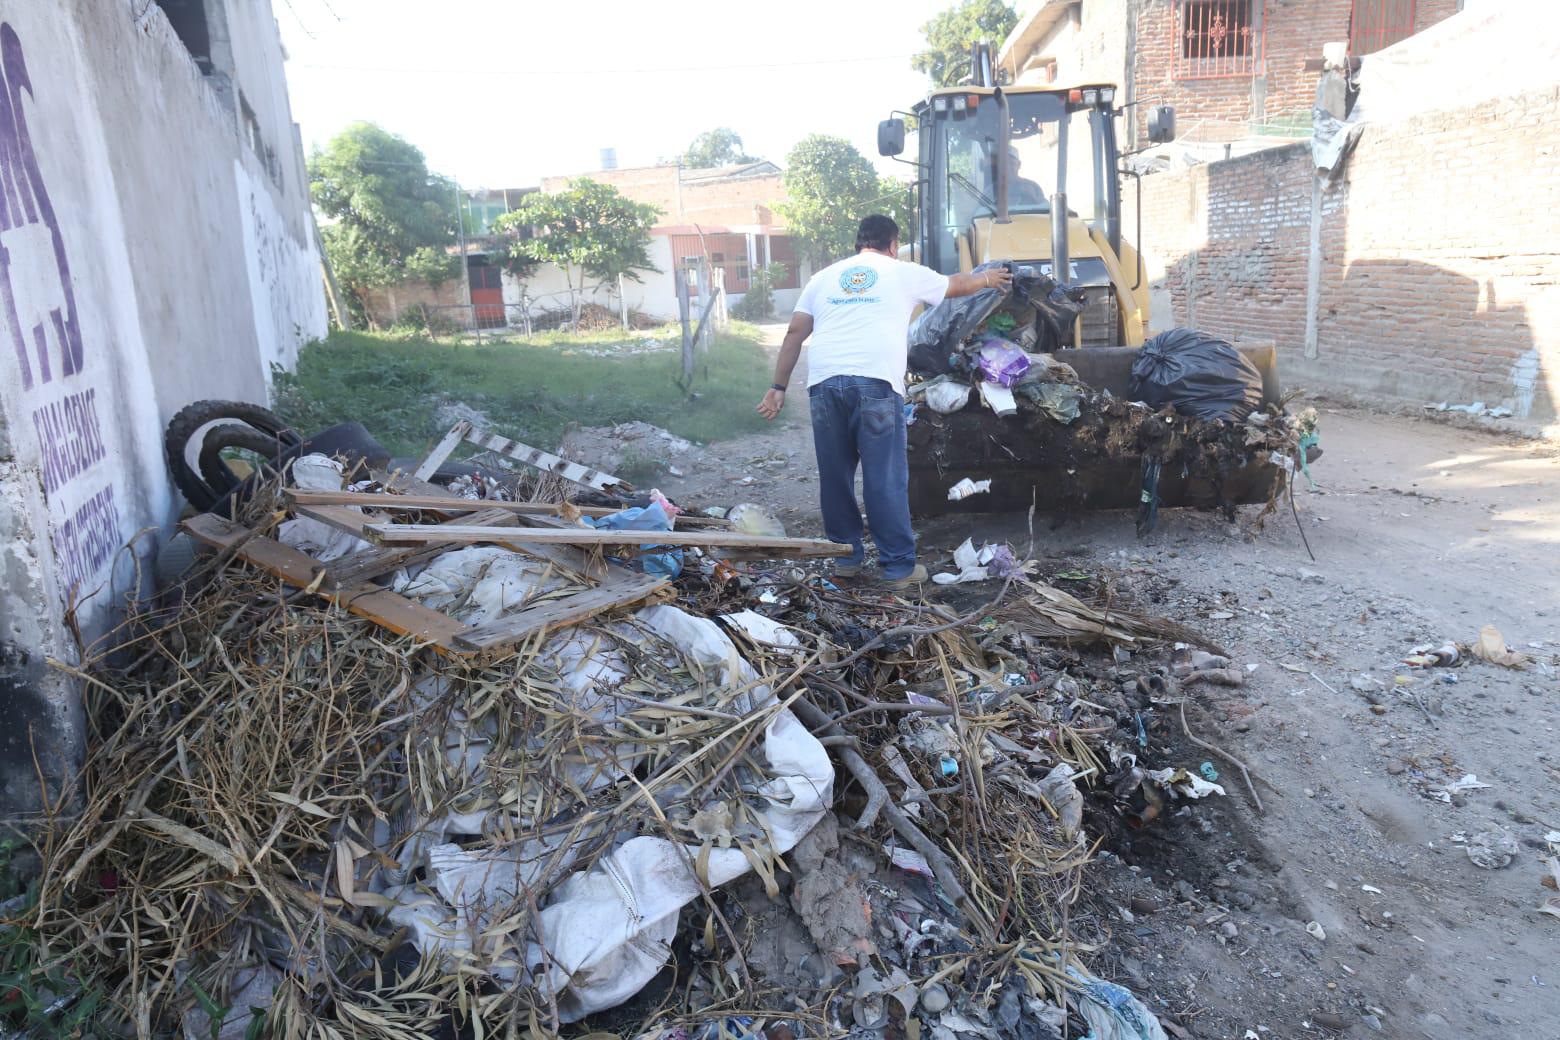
(1294, 31)
(1440, 257)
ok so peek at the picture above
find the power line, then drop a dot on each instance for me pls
(576, 71)
(294, 13)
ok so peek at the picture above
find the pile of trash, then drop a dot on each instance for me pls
(1194, 407)
(305, 814)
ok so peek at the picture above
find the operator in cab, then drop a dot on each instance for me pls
(1022, 192)
(855, 317)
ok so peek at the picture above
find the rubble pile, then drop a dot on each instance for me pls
(754, 803)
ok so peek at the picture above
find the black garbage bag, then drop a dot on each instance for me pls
(1201, 375)
(937, 335)
(1056, 312)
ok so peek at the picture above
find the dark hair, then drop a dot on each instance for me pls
(877, 232)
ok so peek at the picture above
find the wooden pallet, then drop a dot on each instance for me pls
(407, 617)
(445, 505)
(453, 534)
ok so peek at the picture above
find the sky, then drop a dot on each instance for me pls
(499, 93)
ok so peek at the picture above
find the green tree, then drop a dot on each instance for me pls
(949, 37)
(589, 229)
(897, 199)
(389, 220)
(718, 147)
(829, 187)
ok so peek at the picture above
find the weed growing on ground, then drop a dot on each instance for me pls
(37, 1000)
(532, 390)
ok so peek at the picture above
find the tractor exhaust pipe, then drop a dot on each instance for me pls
(1060, 266)
(1061, 269)
(1004, 142)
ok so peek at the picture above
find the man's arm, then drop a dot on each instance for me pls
(969, 284)
(790, 350)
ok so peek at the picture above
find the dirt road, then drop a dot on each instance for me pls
(1423, 533)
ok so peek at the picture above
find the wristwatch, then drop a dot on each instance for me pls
(777, 386)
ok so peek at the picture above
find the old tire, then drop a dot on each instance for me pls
(190, 423)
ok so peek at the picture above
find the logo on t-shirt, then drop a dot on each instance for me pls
(857, 280)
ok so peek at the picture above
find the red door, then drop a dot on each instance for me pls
(487, 296)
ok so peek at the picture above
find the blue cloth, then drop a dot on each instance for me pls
(860, 422)
(645, 518)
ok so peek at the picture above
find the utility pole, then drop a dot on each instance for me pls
(332, 290)
(465, 271)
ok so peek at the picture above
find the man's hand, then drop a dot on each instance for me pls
(975, 281)
(770, 406)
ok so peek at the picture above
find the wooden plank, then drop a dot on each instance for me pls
(371, 563)
(381, 606)
(422, 534)
(545, 617)
(449, 504)
(342, 518)
(547, 462)
(441, 451)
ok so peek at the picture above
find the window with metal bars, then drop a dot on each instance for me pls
(1374, 24)
(1216, 38)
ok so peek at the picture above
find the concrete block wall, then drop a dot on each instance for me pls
(150, 256)
(1436, 257)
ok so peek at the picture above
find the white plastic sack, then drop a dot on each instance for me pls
(486, 581)
(946, 395)
(762, 629)
(320, 540)
(608, 930)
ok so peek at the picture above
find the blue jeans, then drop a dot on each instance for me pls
(861, 421)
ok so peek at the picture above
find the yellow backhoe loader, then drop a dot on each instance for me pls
(997, 168)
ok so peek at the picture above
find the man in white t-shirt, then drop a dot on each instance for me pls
(857, 313)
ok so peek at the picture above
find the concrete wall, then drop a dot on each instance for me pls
(655, 294)
(149, 257)
(1401, 281)
(1088, 43)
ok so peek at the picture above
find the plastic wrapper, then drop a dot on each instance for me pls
(1001, 362)
(1200, 375)
(1058, 400)
(667, 561)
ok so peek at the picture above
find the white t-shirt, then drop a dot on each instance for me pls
(861, 309)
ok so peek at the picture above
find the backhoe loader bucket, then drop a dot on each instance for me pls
(1090, 464)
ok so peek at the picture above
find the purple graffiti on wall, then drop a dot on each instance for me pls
(38, 308)
(24, 200)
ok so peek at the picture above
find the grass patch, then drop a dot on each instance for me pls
(394, 384)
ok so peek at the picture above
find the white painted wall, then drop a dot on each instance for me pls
(149, 259)
(655, 294)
